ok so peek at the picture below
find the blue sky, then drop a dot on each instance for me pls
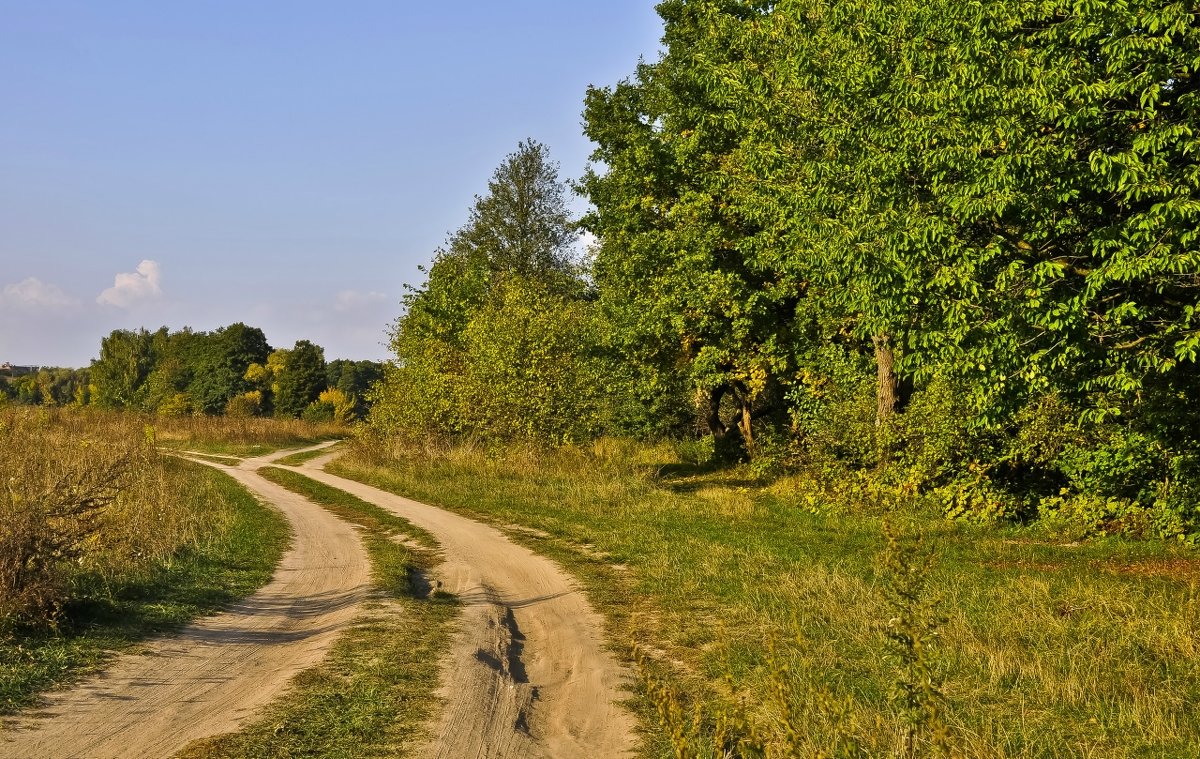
(285, 164)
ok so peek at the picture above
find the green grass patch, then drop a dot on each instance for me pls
(375, 691)
(736, 595)
(108, 614)
(296, 459)
(222, 460)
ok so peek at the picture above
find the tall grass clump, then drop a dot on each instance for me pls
(789, 716)
(82, 493)
(105, 540)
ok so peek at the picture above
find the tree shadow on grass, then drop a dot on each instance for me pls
(688, 477)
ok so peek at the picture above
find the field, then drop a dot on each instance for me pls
(758, 624)
(806, 632)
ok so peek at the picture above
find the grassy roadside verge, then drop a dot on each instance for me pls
(373, 693)
(111, 613)
(222, 460)
(1048, 648)
(296, 459)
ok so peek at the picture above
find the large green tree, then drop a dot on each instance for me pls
(500, 341)
(219, 362)
(126, 359)
(695, 309)
(300, 380)
(1001, 190)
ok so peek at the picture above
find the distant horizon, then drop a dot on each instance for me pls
(167, 165)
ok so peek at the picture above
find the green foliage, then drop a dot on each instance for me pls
(694, 309)
(318, 412)
(48, 386)
(244, 405)
(176, 372)
(529, 365)
(534, 371)
(219, 362)
(503, 340)
(229, 371)
(521, 226)
(1001, 198)
(331, 405)
(126, 359)
(354, 379)
(179, 404)
(300, 380)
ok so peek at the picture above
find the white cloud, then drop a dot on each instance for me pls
(350, 300)
(131, 288)
(34, 294)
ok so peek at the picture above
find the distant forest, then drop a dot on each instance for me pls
(231, 371)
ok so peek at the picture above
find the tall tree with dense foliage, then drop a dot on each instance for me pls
(126, 359)
(999, 198)
(221, 359)
(231, 370)
(301, 379)
(696, 308)
(500, 340)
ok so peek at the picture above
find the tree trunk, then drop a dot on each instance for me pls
(744, 423)
(886, 382)
(715, 425)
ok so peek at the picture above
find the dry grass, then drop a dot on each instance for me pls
(104, 540)
(239, 436)
(81, 492)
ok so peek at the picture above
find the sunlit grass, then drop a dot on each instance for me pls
(1048, 648)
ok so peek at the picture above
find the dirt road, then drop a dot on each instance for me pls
(216, 673)
(528, 675)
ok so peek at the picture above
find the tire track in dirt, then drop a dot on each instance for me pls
(528, 674)
(216, 673)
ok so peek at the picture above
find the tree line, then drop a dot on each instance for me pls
(231, 371)
(947, 247)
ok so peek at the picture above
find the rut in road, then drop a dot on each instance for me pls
(215, 674)
(528, 674)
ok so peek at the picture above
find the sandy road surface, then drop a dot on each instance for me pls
(528, 675)
(214, 674)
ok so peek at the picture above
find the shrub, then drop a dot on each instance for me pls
(48, 525)
(342, 405)
(178, 404)
(245, 405)
(80, 491)
(318, 412)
